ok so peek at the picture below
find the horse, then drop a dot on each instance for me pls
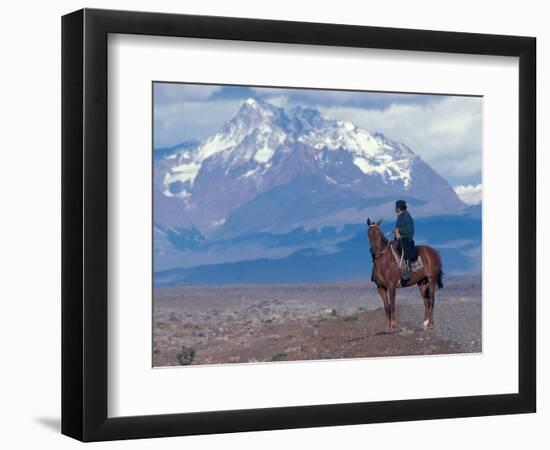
(387, 274)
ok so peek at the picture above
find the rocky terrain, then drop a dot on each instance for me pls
(263, 323)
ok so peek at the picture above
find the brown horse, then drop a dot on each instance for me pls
(387, 275)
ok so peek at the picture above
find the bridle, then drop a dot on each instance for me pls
(379, 238)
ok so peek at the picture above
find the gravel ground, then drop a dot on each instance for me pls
(233, 324)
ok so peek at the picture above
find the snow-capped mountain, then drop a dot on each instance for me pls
(268, 169)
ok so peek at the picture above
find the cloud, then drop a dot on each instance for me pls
(471, 194)
(179, 122)
(359, 99)
(174, 93)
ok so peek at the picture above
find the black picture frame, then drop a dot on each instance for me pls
(84, 224)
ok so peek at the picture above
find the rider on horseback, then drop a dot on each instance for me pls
(387, 273)
(404, 232)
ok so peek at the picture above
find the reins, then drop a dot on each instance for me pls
(388, 245)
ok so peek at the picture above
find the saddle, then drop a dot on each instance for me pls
(415, 266)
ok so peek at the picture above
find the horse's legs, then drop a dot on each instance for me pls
(392, 292)
(424, 293)
(431, 293)
(384, 294)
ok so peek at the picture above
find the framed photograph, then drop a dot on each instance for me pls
(272, 224)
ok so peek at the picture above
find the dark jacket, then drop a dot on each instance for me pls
(405, 224)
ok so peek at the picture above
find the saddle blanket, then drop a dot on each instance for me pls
(416, 266)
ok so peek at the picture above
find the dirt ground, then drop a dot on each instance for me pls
(261, 323)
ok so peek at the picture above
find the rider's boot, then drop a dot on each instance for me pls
(406, 272)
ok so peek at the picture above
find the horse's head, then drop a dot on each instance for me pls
(376, 237)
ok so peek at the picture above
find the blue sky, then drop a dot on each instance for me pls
(446, 131)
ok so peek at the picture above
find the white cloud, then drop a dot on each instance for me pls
(325, 97)
(470, 193)
(280, 101)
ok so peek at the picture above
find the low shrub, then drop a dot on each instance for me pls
(281, 356)
(186, 356)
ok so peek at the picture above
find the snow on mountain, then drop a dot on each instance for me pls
(264, 122)
(263, 147)
(268, 127)
(372, 154)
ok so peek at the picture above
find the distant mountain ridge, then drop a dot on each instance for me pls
(324, 255)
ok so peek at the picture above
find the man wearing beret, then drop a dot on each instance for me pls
(404, 232)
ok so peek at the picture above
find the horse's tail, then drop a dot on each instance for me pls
(440, 278)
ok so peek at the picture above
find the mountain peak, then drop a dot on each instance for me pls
(263, 146)
(306, 118)
(256, 114)
(253, 104)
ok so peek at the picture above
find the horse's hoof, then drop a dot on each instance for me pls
(426, 324)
